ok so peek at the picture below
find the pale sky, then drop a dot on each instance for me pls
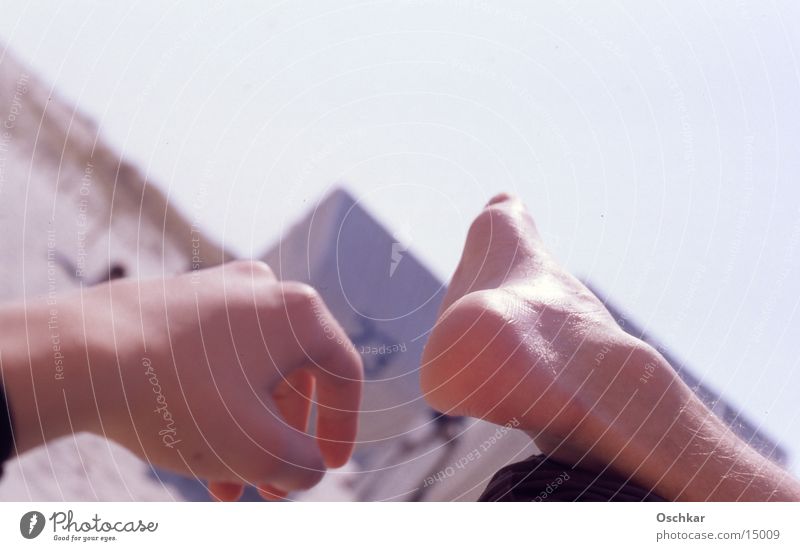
(655, 143)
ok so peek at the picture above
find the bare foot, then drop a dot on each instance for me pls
(520, 338)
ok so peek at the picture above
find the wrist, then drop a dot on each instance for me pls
(629, 398)
(45, 371)
(643, 417)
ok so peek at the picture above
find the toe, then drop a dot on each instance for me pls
(500, 198)
(502, 246)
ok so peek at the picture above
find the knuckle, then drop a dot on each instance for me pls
(482, 308)
(468, 335)
(300, 296)
(350, 369)
(252, 268)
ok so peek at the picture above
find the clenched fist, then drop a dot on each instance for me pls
(212, 374)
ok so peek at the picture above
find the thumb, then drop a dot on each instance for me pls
(294, 460)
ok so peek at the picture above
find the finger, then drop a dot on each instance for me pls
(270, 493)
(225, 491)
(296, 462)
(511, 213)
(293, 396)
(502, 246)
(336, 366)
(338, 371)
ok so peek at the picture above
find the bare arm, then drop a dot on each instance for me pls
(212, 374)
(520, 338)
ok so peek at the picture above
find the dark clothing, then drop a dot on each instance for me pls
(6, 434)
(541, 479)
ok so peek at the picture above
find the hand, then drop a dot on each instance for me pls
(211, 374)
(520, 339)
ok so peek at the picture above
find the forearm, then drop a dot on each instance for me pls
(672, 443)
(701, 459)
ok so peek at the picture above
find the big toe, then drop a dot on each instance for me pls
(501, 197)
(502, 246)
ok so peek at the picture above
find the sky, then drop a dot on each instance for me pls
(655, 143)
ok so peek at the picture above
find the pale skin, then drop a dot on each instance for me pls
(210, 374)
(213, 374)
(520, 338)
